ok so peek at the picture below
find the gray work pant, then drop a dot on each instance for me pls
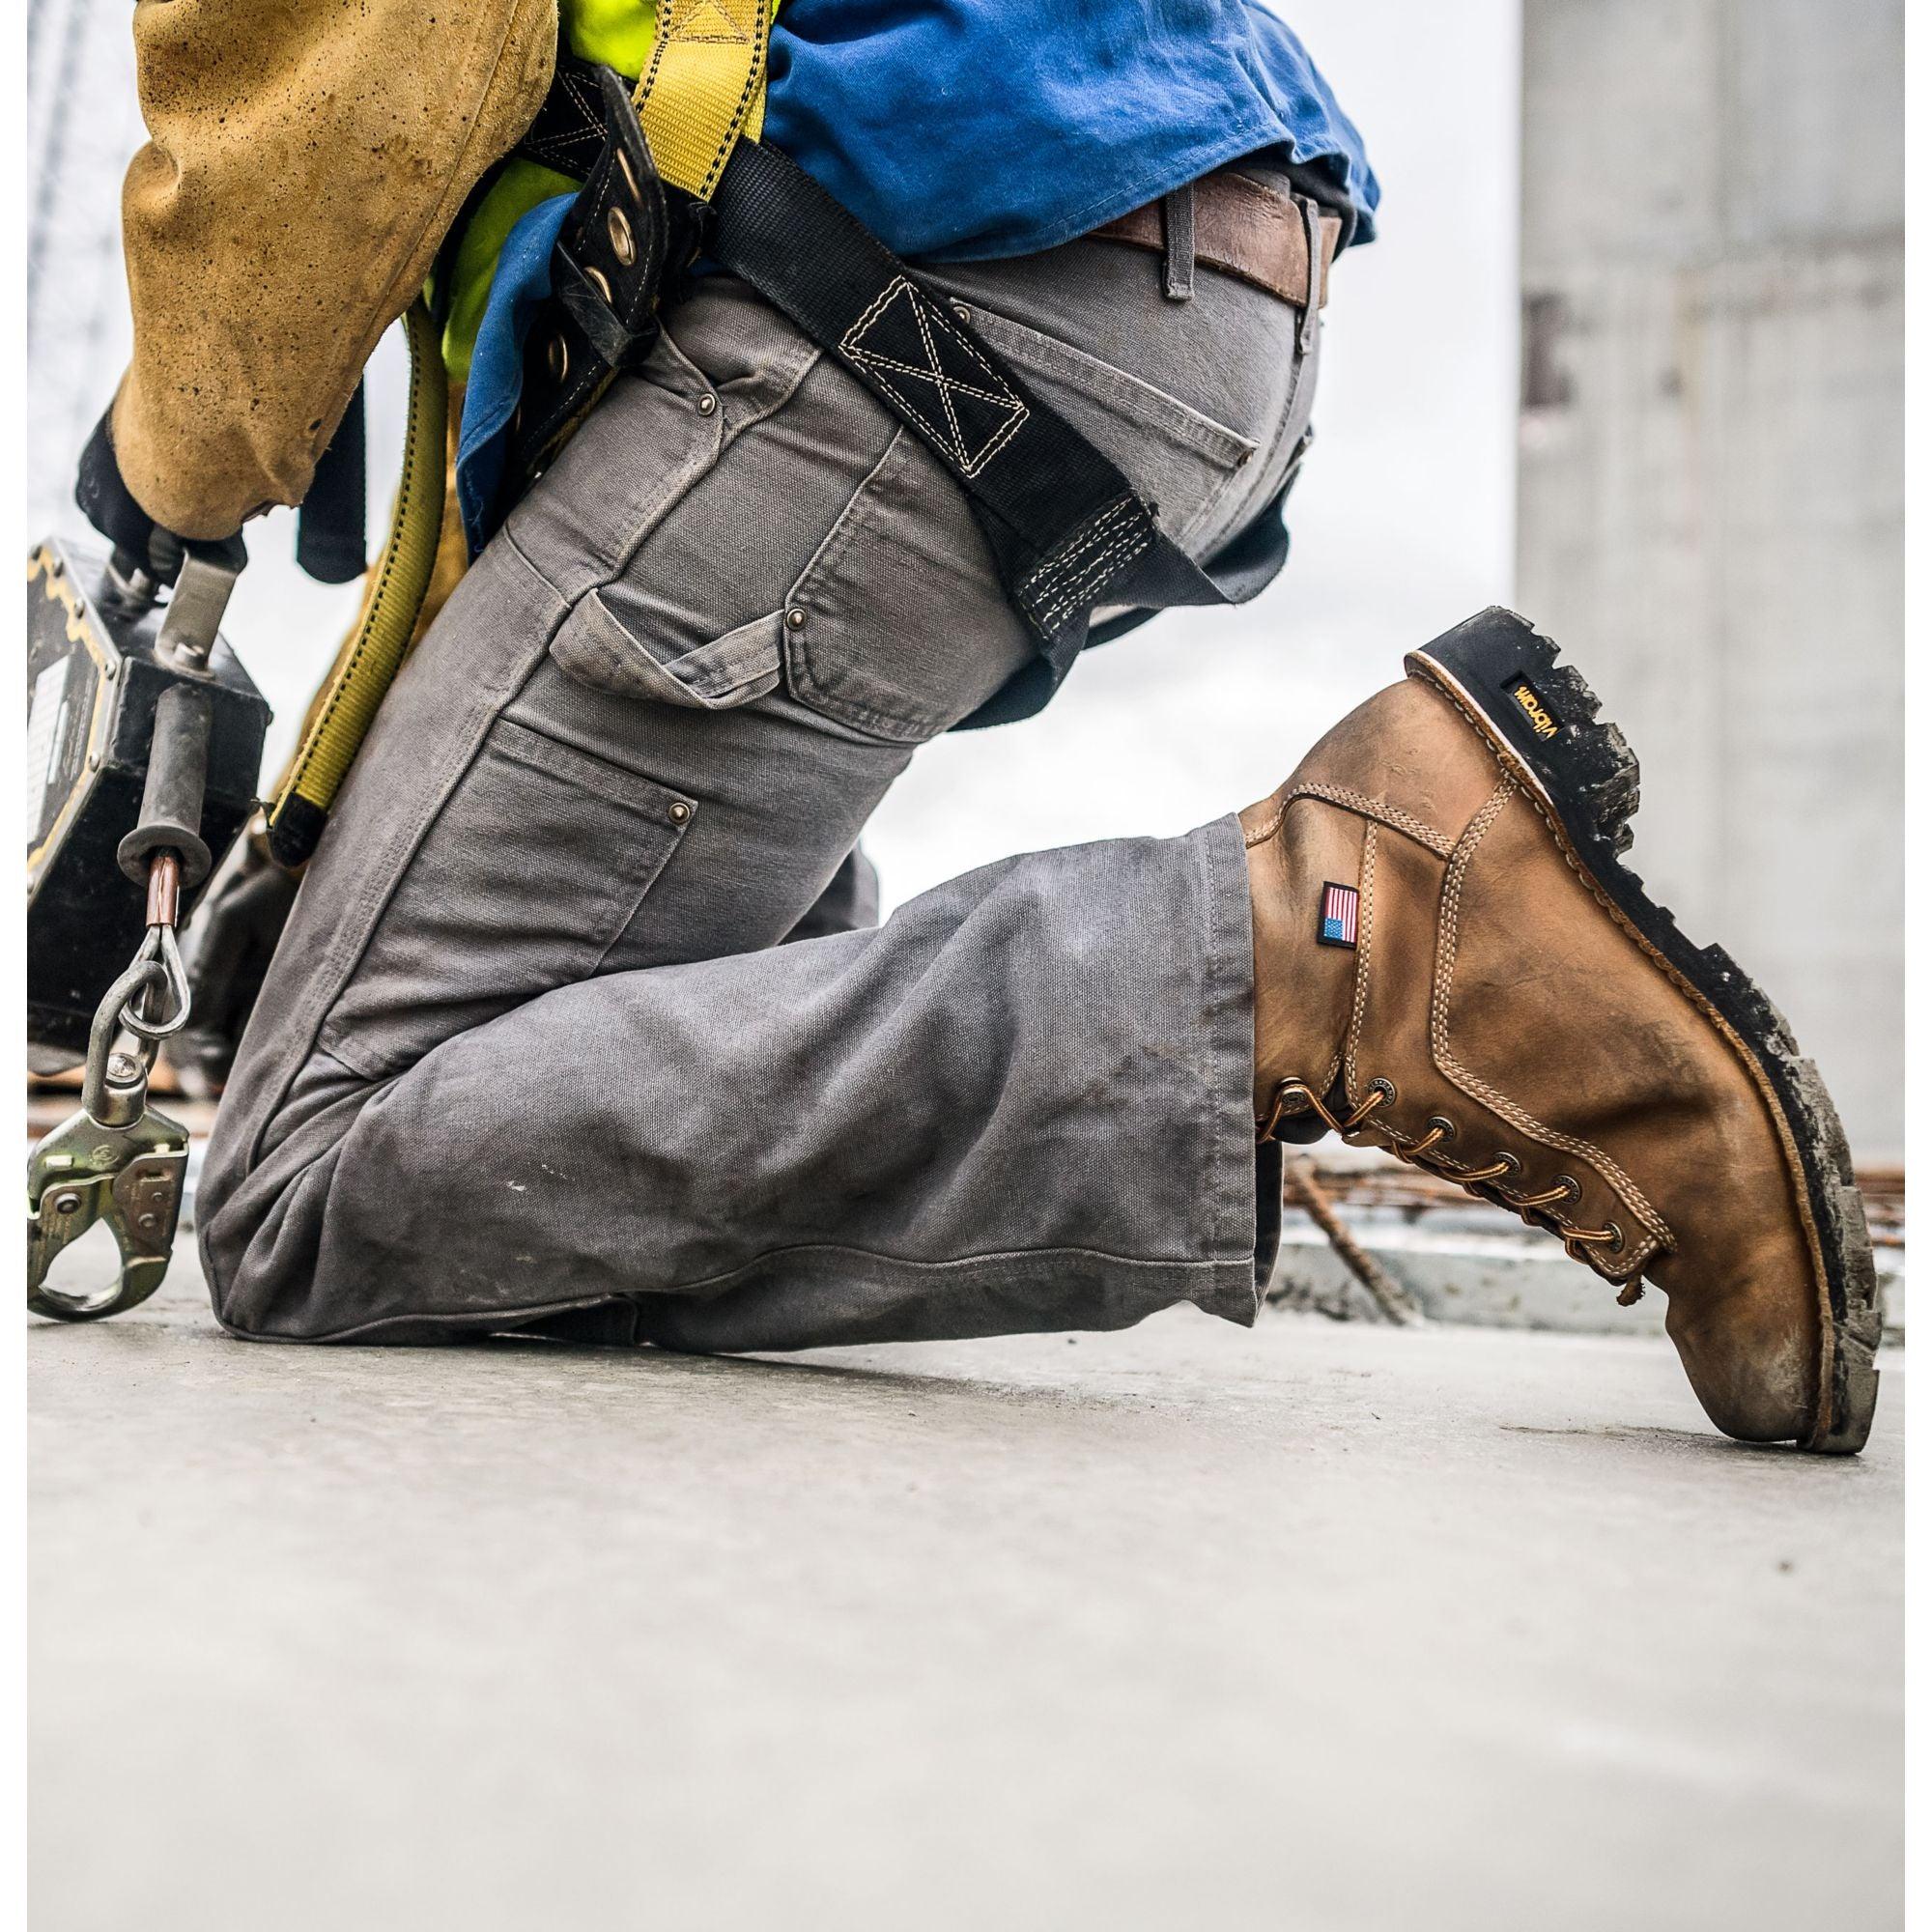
(532, 1054)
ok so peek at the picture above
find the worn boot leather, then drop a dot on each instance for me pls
(1453, 963)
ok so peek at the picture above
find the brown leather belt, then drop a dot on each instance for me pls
(1243, 228)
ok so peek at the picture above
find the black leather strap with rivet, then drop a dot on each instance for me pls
(607, 271)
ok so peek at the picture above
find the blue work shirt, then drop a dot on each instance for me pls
(966, 129)
(972, 130)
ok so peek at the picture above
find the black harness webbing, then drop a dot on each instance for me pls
(1068, 530)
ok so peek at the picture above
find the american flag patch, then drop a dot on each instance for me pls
(1338, 914)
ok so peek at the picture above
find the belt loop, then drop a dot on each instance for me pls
(1311, 309)
(1177, 227)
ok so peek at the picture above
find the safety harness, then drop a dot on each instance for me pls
(673, 170)
(1068, 531)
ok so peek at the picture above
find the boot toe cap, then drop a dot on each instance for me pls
(1752, 1366)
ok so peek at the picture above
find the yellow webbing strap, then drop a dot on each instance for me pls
(373, 651)
(704, 87)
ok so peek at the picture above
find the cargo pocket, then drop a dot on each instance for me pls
(898, 627)
(594, 648)
(525, 880)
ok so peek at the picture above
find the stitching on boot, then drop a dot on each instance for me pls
(1364, 937)
(1828, 1338)
(1479, 1089)
(1774, 1106)
(1360, 802)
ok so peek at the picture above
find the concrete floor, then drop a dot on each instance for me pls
(1323, 1627)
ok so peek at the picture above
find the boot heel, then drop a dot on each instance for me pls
(1541, 719)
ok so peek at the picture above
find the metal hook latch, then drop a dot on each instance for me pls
(116, 1160)
(131, 1179)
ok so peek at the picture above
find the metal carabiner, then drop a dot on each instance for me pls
(114, 1160)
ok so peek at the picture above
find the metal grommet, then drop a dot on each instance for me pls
(557, 356)
(1572, 1189)
(623, 243)
(680, 811)
(795, 618)
(1443, 1126)
(707, 404)
(630, 179)
(599, 281)
(1379, 1085)
(960, 309)
(1616, 1247)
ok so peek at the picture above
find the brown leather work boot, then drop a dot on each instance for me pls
(1452, 962)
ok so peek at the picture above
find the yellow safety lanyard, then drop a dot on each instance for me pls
(704, 87)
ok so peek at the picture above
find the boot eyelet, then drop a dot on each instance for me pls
(1511, 1166)
(1290, 1096)
(1382, 1092)
(1615, 1245)
(1572, 1189)
(1436, 1123)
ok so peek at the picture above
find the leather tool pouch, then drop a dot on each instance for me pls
(628, 234)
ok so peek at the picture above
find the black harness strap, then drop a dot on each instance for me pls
(1066, 528)
(607, 270)
(568, 134)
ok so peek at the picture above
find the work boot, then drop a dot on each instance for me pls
(1453, 963)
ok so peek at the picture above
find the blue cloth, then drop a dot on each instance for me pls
(972, 130)
(964, 129)
(519, 288)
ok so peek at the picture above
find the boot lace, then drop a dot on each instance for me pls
(1296, 1096)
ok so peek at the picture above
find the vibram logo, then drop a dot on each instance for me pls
(1542, 720)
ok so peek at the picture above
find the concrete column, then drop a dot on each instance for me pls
(1710, 508)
